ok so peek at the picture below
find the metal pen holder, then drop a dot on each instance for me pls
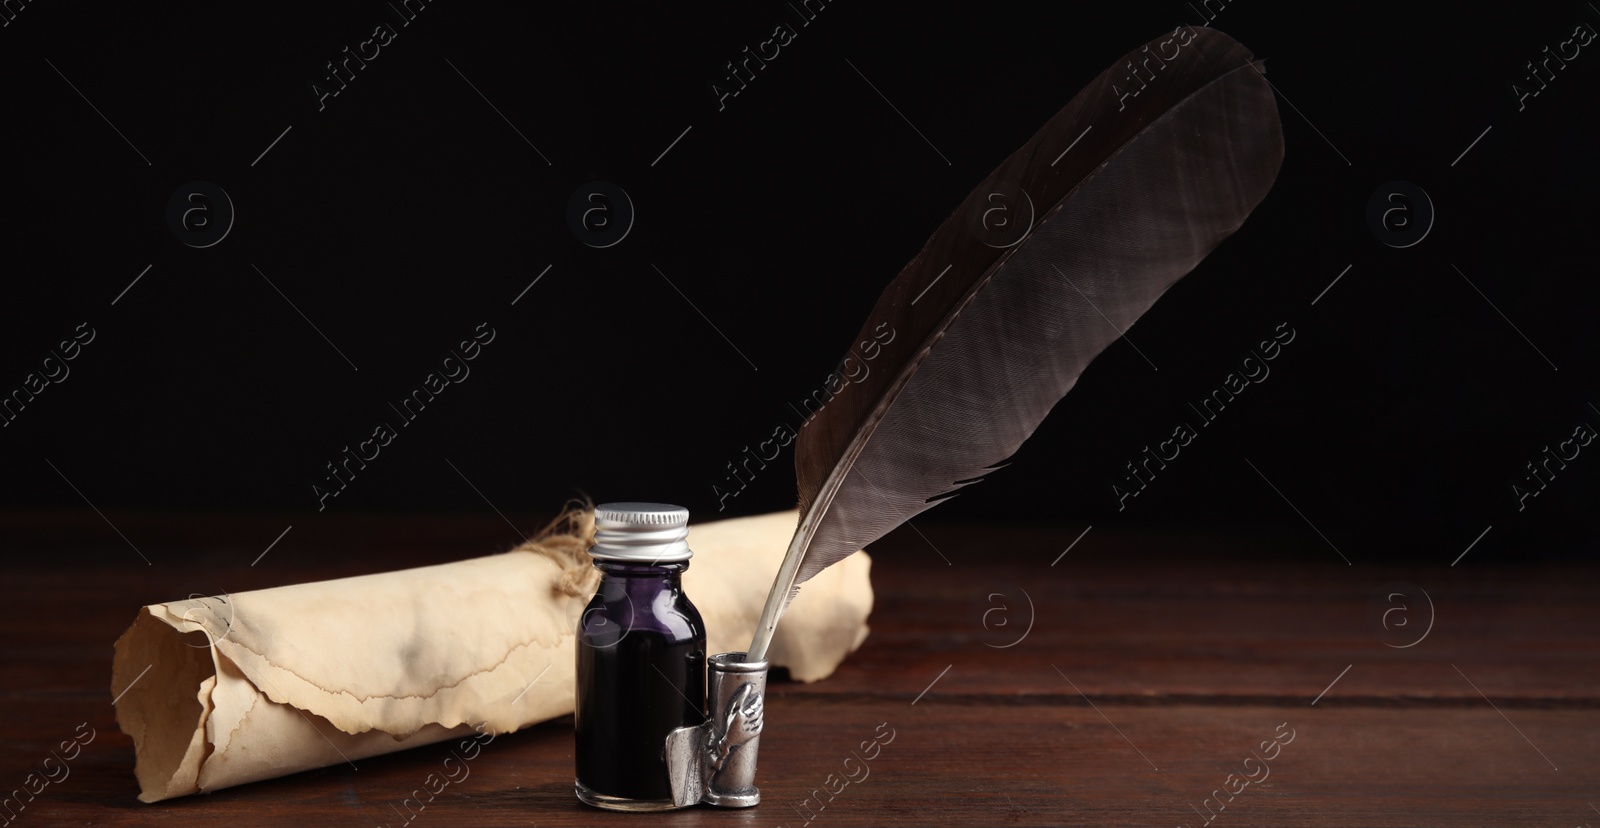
(715, 762)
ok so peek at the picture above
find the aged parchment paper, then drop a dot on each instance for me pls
(261, 684)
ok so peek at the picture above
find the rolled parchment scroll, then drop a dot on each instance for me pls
(260, 684)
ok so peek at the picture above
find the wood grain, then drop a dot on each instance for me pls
(1152, 667)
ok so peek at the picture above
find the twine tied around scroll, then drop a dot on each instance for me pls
(566, 541)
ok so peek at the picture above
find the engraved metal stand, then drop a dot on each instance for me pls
(715, 762)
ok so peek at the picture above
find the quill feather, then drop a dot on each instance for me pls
(1133, 183)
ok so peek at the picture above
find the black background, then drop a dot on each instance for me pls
(407, 211)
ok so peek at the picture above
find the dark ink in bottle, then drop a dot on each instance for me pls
(641, 661)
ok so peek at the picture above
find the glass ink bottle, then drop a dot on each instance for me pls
(641, 652)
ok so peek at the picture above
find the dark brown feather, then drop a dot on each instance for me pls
(1171, 155)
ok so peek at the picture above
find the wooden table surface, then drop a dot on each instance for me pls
(1120, 685)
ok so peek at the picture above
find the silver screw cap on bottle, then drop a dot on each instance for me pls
(648, 533)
